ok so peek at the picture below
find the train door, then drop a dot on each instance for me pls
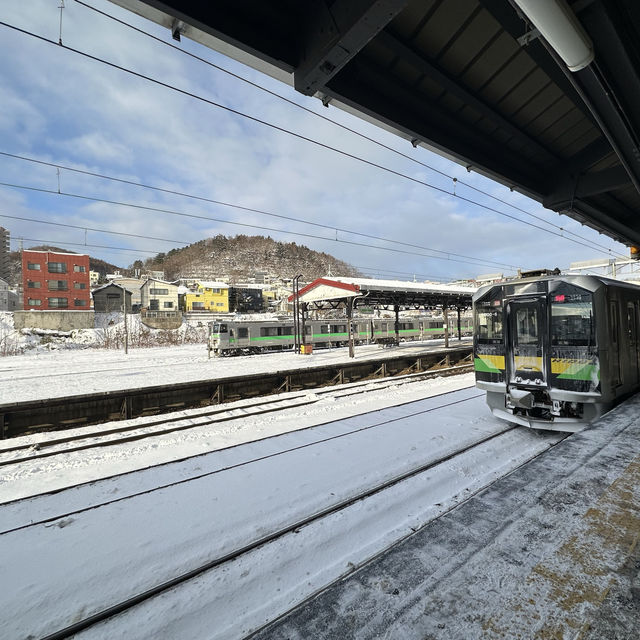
(614, 323)
(527, 362)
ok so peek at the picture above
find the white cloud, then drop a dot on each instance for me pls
(62, 107)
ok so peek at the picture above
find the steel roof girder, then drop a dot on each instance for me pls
(337, 33)
(468, 97)
(585, 185)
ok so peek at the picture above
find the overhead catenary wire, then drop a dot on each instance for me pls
(334, 123)
(147, 208)
(95, 246)
(294, 134)
(132, 250)
(248, 209)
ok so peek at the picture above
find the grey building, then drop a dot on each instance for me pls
(5, 238)
(110, 297)
(8, 299)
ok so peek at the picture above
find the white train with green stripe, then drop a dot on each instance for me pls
(233, 337)
(556, 352)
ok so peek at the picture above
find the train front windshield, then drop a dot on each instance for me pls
(572, 320)
(219, 328)
(489, 322)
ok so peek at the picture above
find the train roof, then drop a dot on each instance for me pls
(588, 282)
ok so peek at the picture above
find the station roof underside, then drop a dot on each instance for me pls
(470, 79)
(326, 293)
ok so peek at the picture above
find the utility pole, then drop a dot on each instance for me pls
(445, 321)
(126, 329)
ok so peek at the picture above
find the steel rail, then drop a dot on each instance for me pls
(415, 377)
(129, 603)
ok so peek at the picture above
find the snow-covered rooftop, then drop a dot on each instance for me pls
(403, 285)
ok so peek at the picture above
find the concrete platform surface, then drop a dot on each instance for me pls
(550, 551)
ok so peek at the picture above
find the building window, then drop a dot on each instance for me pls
(34, 303)
(168, 305)
(78, 268)
(33, 266)
(219, 304)
(33, 285)
(57, 267)
(57, 285)
(159, 292)
(58, 303)
(79, 303)
(79, 285)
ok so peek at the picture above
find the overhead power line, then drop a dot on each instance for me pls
(298, 135)
(94, 246)
(147, 208)
(251, 209)
(85, 228)
(333, 122)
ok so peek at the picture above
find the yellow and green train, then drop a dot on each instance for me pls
(231, 337)
(556, 352)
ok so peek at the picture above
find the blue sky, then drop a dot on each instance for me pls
(65, 109)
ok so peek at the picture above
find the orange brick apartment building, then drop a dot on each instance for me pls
(52, 280)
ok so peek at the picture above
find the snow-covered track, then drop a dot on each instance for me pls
(172, 423)
(22, 418)
(351, 484)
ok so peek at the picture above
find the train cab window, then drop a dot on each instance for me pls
(243, 332)
(572, 317)
(488, 320)
(219, 328)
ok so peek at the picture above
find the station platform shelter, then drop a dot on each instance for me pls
(352, 293)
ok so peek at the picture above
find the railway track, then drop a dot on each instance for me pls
(35, 416)
(125, 433)
(278, 535)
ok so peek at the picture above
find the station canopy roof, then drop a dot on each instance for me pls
(368, 292)
(491, 84)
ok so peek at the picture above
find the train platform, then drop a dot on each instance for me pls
(550, 551)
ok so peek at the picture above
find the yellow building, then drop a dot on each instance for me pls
(209, 296)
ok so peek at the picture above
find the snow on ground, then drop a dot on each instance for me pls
(53, 374)
(53, 473)
(231, 497)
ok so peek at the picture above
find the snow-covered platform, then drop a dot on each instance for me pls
(550, 551)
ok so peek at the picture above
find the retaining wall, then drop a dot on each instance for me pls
(55, 320)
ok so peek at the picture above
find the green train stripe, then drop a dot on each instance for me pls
(588, 372)
(484, 366)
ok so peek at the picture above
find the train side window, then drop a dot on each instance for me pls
(243, 332)
(631, 322)
(613, 313)
(307, 330)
